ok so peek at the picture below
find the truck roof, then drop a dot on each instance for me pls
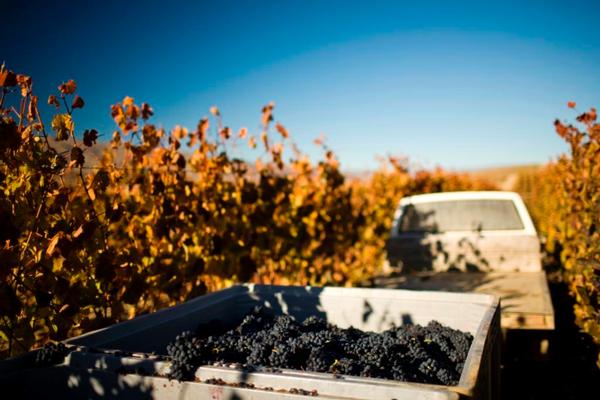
(464, 195)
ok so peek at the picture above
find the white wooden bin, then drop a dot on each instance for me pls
(94, 375)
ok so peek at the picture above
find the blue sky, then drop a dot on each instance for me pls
(451, 83)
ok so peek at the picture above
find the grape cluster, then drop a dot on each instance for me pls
(51, 354)
(426, 354)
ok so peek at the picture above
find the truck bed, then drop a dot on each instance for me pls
(525, 298)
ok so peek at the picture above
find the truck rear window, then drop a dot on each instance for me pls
(460, 215)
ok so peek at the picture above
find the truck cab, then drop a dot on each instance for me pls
(466, 231)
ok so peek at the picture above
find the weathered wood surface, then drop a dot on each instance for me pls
(525, 298)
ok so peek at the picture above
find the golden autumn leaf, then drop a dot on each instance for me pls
(179, 132)
(571, 104)
(62, 125)
(215, 111)
(242, 133)
(127, 101)
(132, 111)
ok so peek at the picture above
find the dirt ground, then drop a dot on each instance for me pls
(569, 370)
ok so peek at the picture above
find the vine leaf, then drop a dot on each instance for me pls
(77, 102)
(89, 137)
(68, 87)
(77, 157)
(62, 125)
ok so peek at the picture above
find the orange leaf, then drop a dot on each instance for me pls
(225, 133)
(78, 232)
(127, 101)
(265, 139)
(267, 113)
(202, 128)
(320, 140)
(281, 129)
(571, 104)
(68, 88)
(53, 101)
(116, 111)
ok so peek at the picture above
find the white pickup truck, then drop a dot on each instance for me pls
(472, 242)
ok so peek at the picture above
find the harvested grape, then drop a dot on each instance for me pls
(427, 354)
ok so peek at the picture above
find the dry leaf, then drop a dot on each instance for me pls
(53, 101)
(77, 102)
(89, 137)
(53, 243)
(24, 82)
(267, 113)
(202, 129)
(281, 129)
(147, 111)
(68, 87)
(8, 78)
(31, 110)
(77, 156)
(225, 133)
(127, 101)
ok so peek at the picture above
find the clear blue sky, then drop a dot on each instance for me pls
(452, 83)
